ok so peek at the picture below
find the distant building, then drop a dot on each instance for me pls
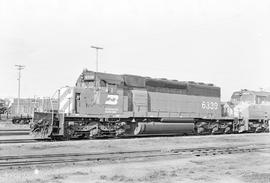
(29, 105)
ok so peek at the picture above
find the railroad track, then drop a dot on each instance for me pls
(9, 132)
(15, 141)
(30, 160)
(14, 130)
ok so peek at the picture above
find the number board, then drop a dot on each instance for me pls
(209, 105)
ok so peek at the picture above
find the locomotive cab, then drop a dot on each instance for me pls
(97, 101)
(97, 93)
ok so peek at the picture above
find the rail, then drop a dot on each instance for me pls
(30, 160)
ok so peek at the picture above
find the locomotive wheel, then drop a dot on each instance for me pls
(22, 121)
(94, 132)
(259, 129)
(215, 130)
(200, 130)
(227, 130)
(69, 133)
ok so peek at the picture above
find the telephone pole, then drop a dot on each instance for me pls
(19, 68)
(97, 48)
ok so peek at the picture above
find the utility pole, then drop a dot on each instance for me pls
(19, 68)
(97, 48)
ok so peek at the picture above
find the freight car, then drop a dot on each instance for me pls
(27, 106)
(103, 104)
(21, 119)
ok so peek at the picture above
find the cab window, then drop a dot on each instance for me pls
(111, 88)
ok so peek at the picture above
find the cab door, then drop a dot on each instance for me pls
(77, 102)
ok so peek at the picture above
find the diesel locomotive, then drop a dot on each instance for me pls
(111, 105)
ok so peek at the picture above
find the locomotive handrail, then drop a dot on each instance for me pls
(58, 90)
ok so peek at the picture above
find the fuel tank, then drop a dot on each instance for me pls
(168, 127)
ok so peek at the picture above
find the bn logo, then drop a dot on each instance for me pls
(112, 100)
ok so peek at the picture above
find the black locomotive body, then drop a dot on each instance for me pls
(104, 104)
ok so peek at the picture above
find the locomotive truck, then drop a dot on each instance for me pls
(111, 105)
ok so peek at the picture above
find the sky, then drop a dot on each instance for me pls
(224, 42)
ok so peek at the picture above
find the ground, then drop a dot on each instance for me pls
(239, 168)
(252, 167)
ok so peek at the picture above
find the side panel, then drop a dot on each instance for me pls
(185, 105)
(125, 104)
(128, 101)
(140, 102)
(259, 111)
